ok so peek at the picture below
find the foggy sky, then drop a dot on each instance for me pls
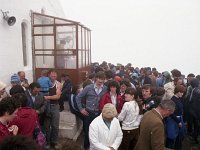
(159, 33)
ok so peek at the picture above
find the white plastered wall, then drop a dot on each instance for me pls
(11, 54)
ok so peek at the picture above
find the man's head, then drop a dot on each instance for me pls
(166, 107)
(52, 75)
(34, 88)
(109, 74)
(175, 73)
(64, 76)
(109, 112)
(194, 82)
(21, 75)
(100, 78)
(147, 91)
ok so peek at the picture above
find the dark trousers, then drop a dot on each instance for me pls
(196, 130)
(178, 142)
(86, 123)
(52, 124)
(174, 143)
(129, 140)
(62, 99)
(170, 143)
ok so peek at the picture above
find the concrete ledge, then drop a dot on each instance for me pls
(70, 126)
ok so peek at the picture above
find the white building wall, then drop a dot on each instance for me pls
(11, 54)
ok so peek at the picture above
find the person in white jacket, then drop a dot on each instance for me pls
(105, 132)
(130, 117)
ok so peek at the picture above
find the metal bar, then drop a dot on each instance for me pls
(55, 17)
(43, 34)
(81, 47)
(54, 54)
(90, 49)
(56, 49)
(77, 41)
(60, 24)
(85, 48)
(33, 45)
(54, 30)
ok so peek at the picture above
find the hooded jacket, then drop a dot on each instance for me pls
(26, 121)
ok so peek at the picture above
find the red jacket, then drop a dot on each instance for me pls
(25, 120)
(3, 131)
(106, 98)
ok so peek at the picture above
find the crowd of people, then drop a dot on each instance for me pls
(152, 108)
(121, 107)
(26, 108)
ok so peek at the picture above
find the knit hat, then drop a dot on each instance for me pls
(2, 85)
(15, 79)
(109, 111)
(166, 74)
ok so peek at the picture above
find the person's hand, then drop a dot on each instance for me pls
(84, 112)
(46, 97)
(180, 125)
(25, 85)
(111, 148)
(14, 129)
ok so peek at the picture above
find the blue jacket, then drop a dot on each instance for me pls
(91, 98)
(45, 83)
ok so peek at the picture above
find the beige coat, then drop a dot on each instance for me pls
(169, 90)
(152, 135)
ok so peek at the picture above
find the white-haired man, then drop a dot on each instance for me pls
(152, 132)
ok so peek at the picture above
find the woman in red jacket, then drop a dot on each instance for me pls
(26, 117)
(112, 96)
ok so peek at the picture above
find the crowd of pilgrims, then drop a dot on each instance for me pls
(25, 104)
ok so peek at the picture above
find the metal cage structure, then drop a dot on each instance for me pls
(60, 44)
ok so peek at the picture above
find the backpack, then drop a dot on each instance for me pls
(38, 136)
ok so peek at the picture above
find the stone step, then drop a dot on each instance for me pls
(70, 126)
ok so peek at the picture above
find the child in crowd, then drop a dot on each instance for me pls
(45, 84)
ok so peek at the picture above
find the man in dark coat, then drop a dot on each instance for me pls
(66, 90)
(36, 100)
(193, 108)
